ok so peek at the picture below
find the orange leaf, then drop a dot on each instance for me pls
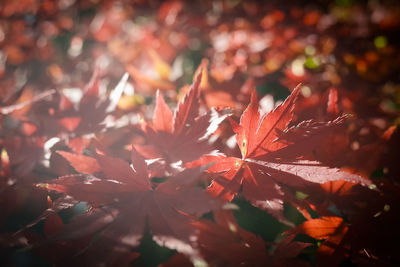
(323, 228)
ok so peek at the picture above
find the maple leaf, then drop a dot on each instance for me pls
(62, 203)
(79, 111)
(255, 135)
(81, 163)
(225, 243)
(322, 228)
(180, 136)
(125, 202)
(331, 229)
(286, 252)
(57, 253)
(272, 156)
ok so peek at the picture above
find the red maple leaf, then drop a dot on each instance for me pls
(332, 230)
(225, 243)
(179, 136)
(76, 111)
(272, 156)
(125, 202)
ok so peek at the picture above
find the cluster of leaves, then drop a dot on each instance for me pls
(90, 176)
